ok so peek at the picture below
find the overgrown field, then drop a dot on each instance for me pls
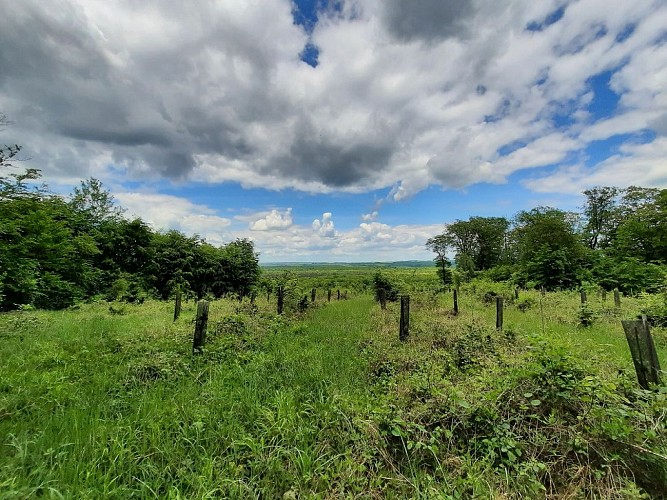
(107, 400)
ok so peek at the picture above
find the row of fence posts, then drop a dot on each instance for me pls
(637, 332)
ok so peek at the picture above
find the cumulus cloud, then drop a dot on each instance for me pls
(325, 227)
(405, 95)
(165, 212)
(370, 216)
(273, 220)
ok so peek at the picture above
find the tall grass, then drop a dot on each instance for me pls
(106, 402)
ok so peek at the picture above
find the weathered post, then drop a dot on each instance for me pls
(542, 291)
(329, 295)
(604, 295)
(201, 323)
(312, 295)
(516, 294)
(583, 297)
(499, 313)
(281, 299)
(644, 355)
(177, 305)
(404, 327)
(617, 298)
(382, 295)
(456, 301)
(338, 296)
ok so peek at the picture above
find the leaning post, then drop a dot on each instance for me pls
(404, 327)
(201, 322)
(499, 313)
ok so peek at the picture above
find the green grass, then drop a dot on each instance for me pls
(328, 404)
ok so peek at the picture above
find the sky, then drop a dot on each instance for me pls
(340, 130)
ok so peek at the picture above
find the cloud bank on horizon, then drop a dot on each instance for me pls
(366, 95)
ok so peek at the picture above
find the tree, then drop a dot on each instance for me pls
(600, 213)
(642, 233)
(548, 248)
(94, 202)
(241, 266)
(440, 245)
(479, 243)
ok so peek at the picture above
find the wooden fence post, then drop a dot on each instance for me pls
(516, 294)
(617, 298)
(281, 299)
(642, 348)
(604, 295)
(404, 327)
(383, 298)
(583, 297)
(456, 301)
(200, 327)
(338, 297)
(329, 295)
(499, 313)
(312, 295)
(177, 305)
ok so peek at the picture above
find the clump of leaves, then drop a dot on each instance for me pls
(383, 285)
(586, 316)
(525, 303)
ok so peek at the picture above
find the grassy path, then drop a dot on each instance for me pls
(91, 413)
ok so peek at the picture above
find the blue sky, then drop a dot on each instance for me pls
(337, 131)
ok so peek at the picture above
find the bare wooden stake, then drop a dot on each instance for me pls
(338, 297)
(456, 301)
(281, 299)
(329, 295)
(583, 297)
(177, 305)
(200, 327)
(499, 313)
(382, 295)
(404, 327)
(516, 294)
(617, 298)
(644, 355)
(312, 295)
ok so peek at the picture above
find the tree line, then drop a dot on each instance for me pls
(617, 240)
(56, 251)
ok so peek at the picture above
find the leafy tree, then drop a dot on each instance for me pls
(241, 266)
(601, 214)
(548, 247)
(95, 202)
(643, 231)
(440, 245)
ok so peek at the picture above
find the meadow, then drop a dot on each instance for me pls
(106, 400)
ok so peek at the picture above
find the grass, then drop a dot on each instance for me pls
(99, 402)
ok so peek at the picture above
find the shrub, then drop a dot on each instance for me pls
(381, 283)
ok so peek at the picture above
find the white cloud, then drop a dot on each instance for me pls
(273, 220)
(370, 216)
(635, 165)
(401, 98)
(325, 227)
(165, 212)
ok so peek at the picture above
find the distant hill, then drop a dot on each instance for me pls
(400, 263)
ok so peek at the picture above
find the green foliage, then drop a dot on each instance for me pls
(383, 285)
(55, 253)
